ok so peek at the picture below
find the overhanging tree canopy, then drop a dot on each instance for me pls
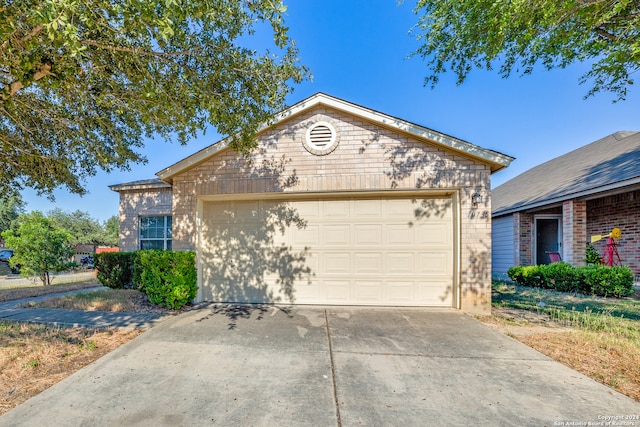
(82, 83)
(463, 35)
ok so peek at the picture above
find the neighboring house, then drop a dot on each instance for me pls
(337, 204)
(558, 205)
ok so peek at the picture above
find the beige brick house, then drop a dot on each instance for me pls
(338, 204)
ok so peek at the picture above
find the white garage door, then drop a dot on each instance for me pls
(352, 251)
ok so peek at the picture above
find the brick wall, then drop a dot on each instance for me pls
(136, 203)
(622, 211)
(523, 237)
(368, 158)
(574, 231)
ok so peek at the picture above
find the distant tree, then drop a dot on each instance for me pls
(463, 35)
(83, 83)
(112, 231)
(83, 228)
(40, 246)
(11, 206)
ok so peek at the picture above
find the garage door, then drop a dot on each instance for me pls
(352, 251)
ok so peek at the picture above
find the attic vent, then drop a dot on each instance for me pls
(321, 139)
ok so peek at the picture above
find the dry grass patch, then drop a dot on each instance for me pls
(34, 357)
(29, 291)
(610, 360)
(123, 300)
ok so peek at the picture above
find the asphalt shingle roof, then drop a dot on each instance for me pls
(608, 162)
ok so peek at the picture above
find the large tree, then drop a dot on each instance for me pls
(84, 82)
(462, 35)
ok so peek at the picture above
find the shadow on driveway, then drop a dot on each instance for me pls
(326, 366)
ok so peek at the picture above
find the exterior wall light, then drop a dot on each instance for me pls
(475, 200)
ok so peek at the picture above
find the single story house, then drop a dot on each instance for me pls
(338, 204)
(558, 205)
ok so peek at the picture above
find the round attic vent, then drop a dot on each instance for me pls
(321, 138)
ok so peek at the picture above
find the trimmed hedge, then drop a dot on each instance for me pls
(168, 278)
(115, 269)
(599, 280)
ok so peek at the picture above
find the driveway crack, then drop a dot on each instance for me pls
(333, 370)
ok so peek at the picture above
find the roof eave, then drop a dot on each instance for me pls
(578, 195)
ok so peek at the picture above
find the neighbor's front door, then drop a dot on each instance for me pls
(548, 238)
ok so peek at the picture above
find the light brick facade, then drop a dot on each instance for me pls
(138, 202)
(369, 158)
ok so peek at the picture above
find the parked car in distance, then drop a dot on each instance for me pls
(5, 254)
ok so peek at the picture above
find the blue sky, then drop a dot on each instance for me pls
(358, 50)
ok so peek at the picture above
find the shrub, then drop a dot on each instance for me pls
(560, 276)
(528, 275)
(604, 280)
(592, 257)
(599, 280)
(115, 269)
(168, 278)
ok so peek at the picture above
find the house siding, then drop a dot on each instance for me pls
(368, 158)
(503, 255)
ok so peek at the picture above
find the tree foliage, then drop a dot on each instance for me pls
(82, 227)
(520, 34)
(40, 247)
(11, 206)
(83, 83)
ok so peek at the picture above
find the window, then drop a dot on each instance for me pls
(155, 232)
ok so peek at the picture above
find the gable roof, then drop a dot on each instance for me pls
(607, 164)
(494, 159)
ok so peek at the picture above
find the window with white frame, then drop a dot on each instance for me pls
(155, 232)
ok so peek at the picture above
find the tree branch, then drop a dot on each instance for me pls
(135, 51)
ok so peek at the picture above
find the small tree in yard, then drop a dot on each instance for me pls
(40, 247)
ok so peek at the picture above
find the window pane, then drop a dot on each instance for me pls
(151, 244)
(168, 245)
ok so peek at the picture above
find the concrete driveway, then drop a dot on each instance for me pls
(271, 366)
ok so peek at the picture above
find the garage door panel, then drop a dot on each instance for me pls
(336, 235)
(337, 291)
(430, 263)
(367, 208)
(336, 209)
(433, 234)
(368, 291)
(401, 292)
(367, 235)
(368, 263)
(335, 251)
(399, 235)
(307, 236)
(435, 293)
(336, 263)
(401, 263)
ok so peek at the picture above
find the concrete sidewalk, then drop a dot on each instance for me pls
(10, 310)
(227, 365)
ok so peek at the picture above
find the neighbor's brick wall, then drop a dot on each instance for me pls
(137, 203)
(367, 158)
(523, 237)
(574, 231)
(622, 211)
